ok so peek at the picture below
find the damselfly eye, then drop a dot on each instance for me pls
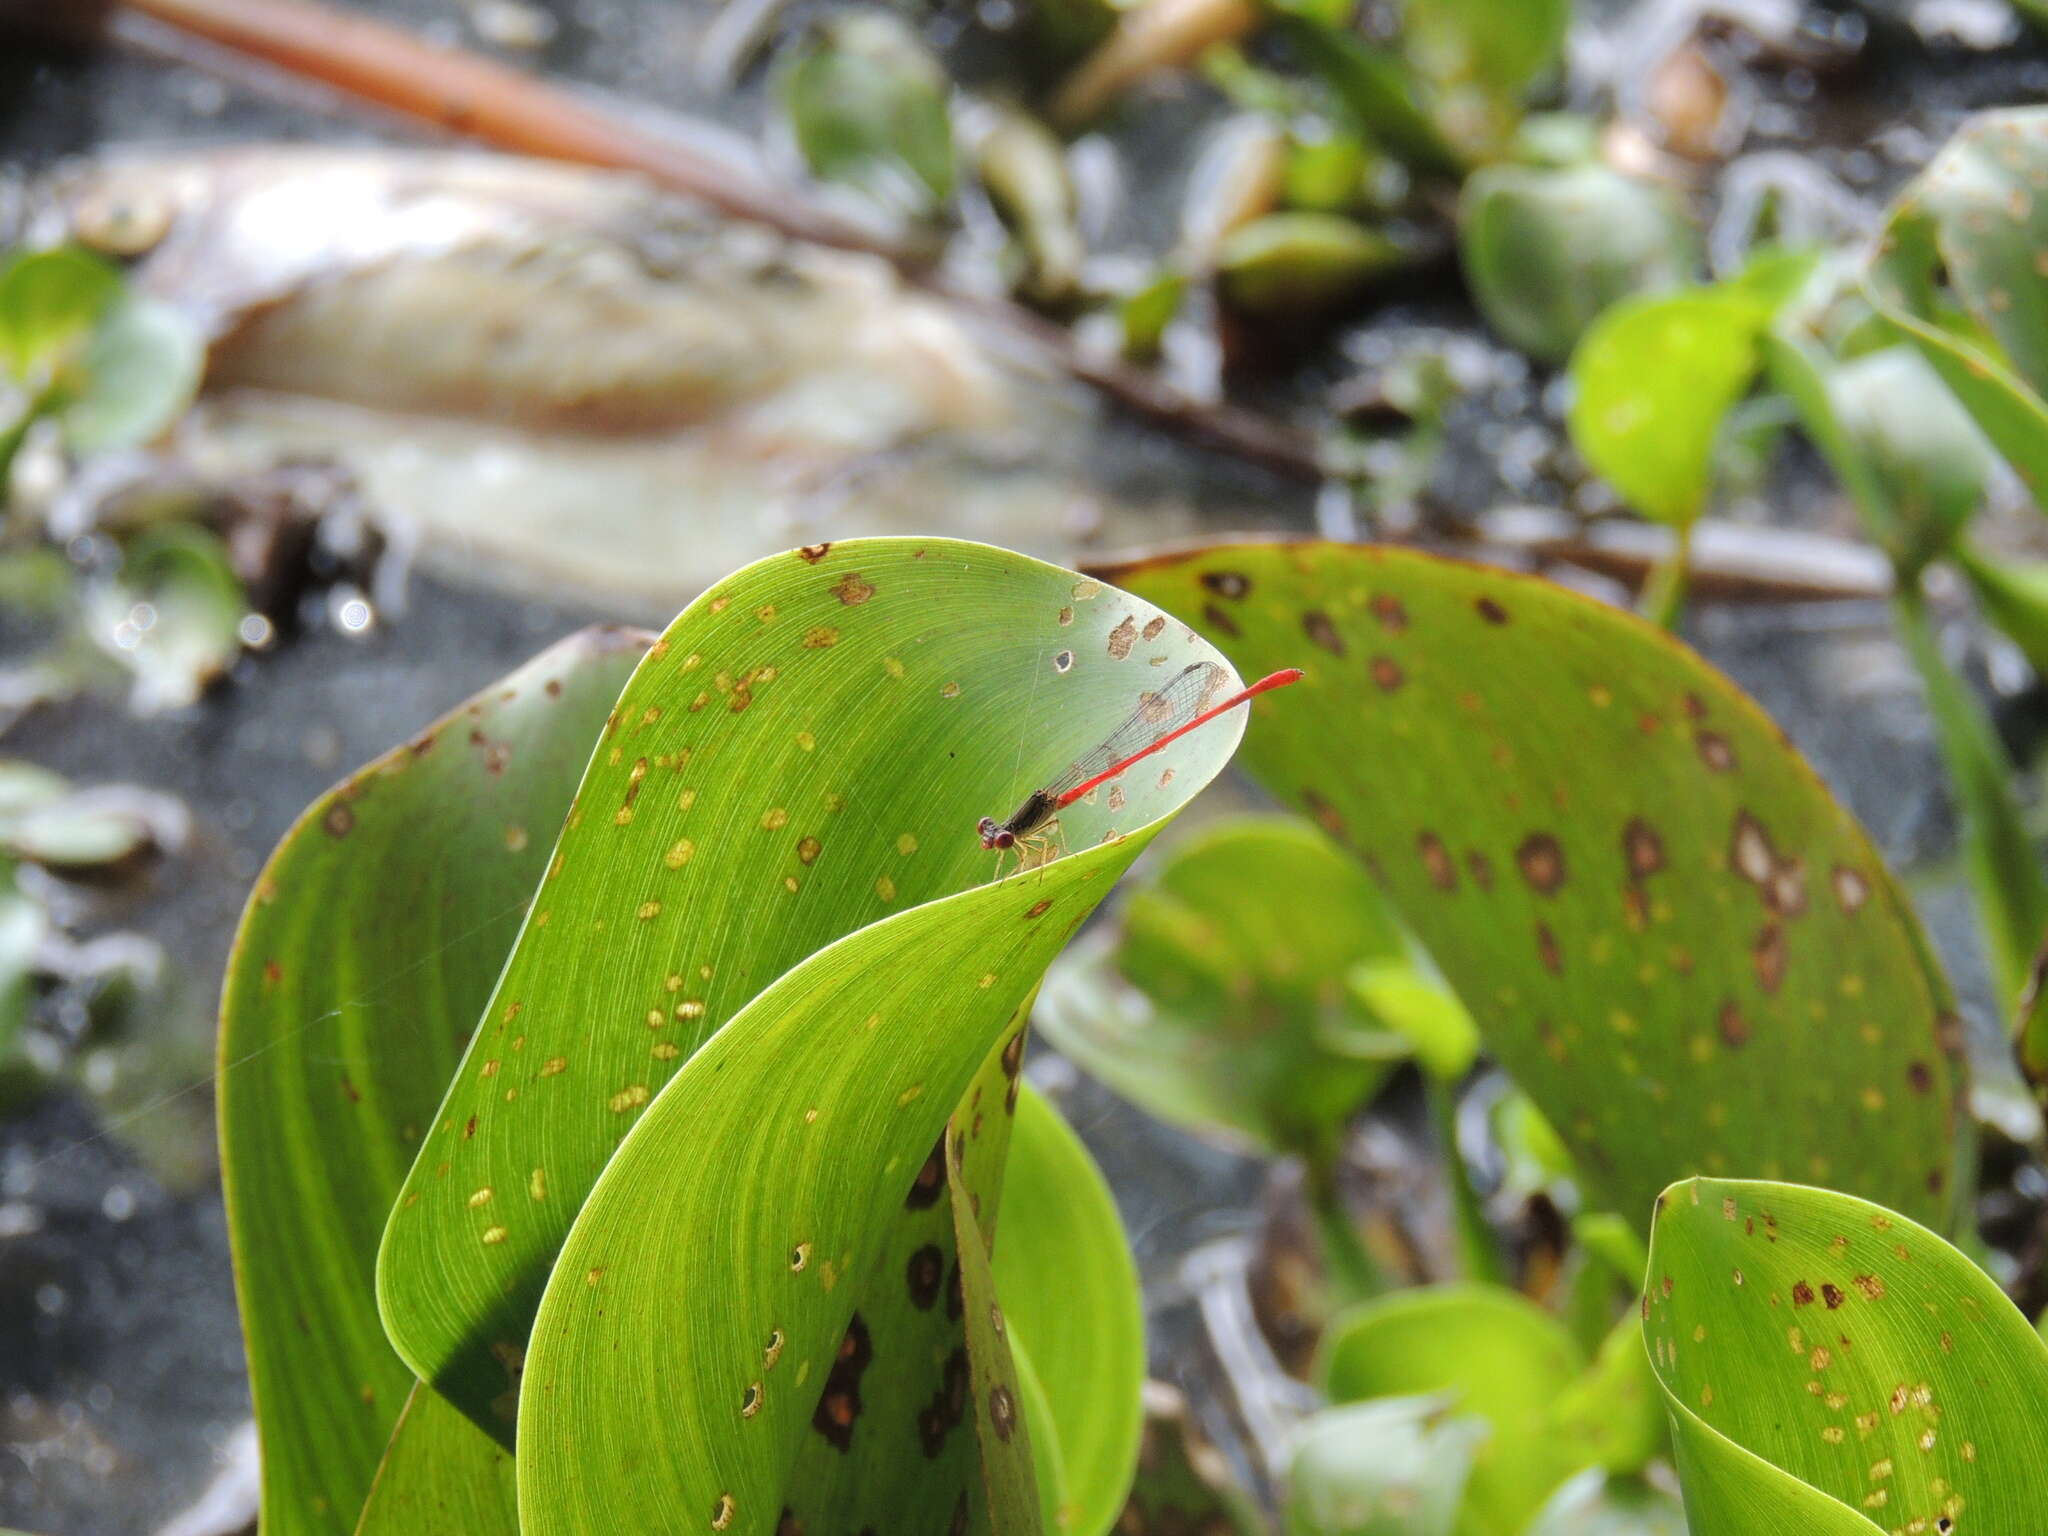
(1006, 839)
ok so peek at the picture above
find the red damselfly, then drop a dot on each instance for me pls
(1184, 703)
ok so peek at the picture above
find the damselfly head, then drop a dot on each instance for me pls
(994, 836)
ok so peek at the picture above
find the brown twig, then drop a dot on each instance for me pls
(461, 93)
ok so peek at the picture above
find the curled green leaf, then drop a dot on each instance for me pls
(1817, 1350)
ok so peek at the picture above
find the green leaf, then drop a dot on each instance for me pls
(172, 616)
(49, 303)
(1894, 434)
(142, 368)
(1023, 168)
(868, 106)
(1545, 251)
(2005, 866)
(1376, 90)
(1148, 310)
(1807, 1337)
(1067, 1284)
(441, 1476)
(1495, 1356)
(1681, 947)
(1651, 381)
(1482, 56)
(1242, 1023)
(1392, 1468)
(81, 831)
(1412, 1002)
(2013, 595)
(344, 1014)
(1299, 263)
(1956, 270)
(1504, 46)
(803, 755)
(1612, 1414)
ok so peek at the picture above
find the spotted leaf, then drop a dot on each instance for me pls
(759, 977)
(333, 1055)
(1831, 1365)
(1688, 954)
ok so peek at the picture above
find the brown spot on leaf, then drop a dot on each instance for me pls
(1948, 1035)
(1013, 1054)
(930, 1182)
(1642, 847)
(851, 590)
(1714, 751)
(1851, 889)
(1482, 869)
(1802, 1294)
(813, 553)
(1635, 908)
(1154, 626)
(1122, 638)
(1320, 631)
(1437, 861)
(1541, 860)
(1768, 956)
(1386, 673)
(1220, 621)
(1002, 1412)
(925, 1273)
(339, 820)
(1750, 853)
(839, 1404)
(1733, 1026)
(1326, 814)
(1234, 585)
(1831, 1295)
(1547, 950)
(1491, 611)
(1919, 1077)
(948, 1405)
(1785, 894)
(1388, 610)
